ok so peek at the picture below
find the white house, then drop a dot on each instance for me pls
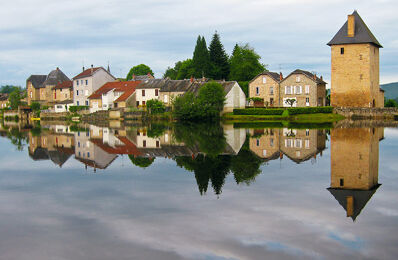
(87, 82)
(63, 106)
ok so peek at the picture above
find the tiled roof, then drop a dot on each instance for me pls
(128, 87)
(308, 74)
(89, 72)
(128, 147)
(63, 85)
(37, 80)
(362, 34)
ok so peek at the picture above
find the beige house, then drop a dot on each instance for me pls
(266, 86)
(33, 85)
(355, 66)
(87, 82)
(304, 87)
(3, 101)
(265, 143)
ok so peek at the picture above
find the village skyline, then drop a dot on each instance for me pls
(159, 42)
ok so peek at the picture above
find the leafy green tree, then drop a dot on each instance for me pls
(185, 70)
(201, 58)
(141, 69)
(142, 162)
(155, 106)
(245, 166)
(211, 99)
(390, 103)
(15, 99)
(244, 63)
(218, 59)
(7, 89)
(35, 106)
(156, 129)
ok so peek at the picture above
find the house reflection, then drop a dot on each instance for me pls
(354, 167)
(298, 145)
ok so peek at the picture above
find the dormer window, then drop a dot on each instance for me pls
(298, 79)
(264, 80)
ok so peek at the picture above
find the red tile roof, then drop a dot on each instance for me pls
(127, 87)
(128, 147)
(65, 84)
(88, 72)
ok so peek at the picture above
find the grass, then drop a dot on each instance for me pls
(302, 118)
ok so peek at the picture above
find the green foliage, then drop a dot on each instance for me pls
(7, 89)
(15, 99)
(76, 128)
(75, 109)
(244, 85)
(35, 106)
(245, 166)
(141, 69)
(390, 103)
(290, 101)
(182, 70)
(155, 106)
(285, 113)
(218, 59)
(201, 58)
(259, 111)
(36, 131)
(207, 105)
(255, 99)
(142, 162)
(309, 110)
(156, 130)
(244, 63)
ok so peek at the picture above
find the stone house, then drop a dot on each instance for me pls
(266, 86)
(3, 101)
(33, 85)
(172, 89)
(147, 90)
(87, 82)
(305, 87)
(114, 95)
(265, 143)
(63, 91)
(355, 66)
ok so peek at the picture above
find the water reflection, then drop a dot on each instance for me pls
(354, 167)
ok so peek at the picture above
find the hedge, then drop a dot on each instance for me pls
(74, 109)
(309, 110)
(258, 111)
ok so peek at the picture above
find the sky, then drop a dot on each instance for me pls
(39, 35)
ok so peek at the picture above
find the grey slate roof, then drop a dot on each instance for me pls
(37, 80)
(273, 75)
(308, 74)
(3, 97)
(362, 34)
(54, 77)
(176, 86)
(361, 198)
(151, 83)
(227, 85)
(39, 154)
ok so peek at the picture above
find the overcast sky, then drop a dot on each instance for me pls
(39, 35)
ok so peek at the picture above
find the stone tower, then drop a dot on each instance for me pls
(354, 166)
(355, 66)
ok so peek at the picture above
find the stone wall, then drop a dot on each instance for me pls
(264, 89)
(366, 113)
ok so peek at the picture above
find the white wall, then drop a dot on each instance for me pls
(235, 98)
(149, 94)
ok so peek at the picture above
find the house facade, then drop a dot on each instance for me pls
(87, 82)
(4, 101)
(266, 86)
(33, 85)
(304, 87)
(355, 66)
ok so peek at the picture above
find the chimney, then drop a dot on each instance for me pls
(191, 79)
(83, 68)
(321, 78)
(149, 74)
(351, 26)
(314, 76)
(92, 68)
(280, 76)
(57, 68)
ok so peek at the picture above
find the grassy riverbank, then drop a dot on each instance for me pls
(301, 118)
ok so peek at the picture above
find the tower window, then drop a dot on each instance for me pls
(342, 51)
(341, 182)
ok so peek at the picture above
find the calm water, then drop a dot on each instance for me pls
(198, 192)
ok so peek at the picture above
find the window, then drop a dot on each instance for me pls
(88, 154)
(59, 107)
(264, 153)
(143, 92)
(307, 101)
(307, 143)
(86, 92)
(307, 89)
(31, 94)
(257, 91)
(86, 82)
(271, 101)
(288, 89)
(299, 90)
(298, 153)
(78, 144)
(298, 79)
(77, 82)
(264, 80)
(157, 144)
(258, 142)
(307, 132)
(165, 98)
(271, 90)
(143, 103)
(341, 182)
(138, 103)
(156, 92)
(77, 102)
(86, 102)
(81, 82)
(298, 143)
(341, 51)
(144, 143)
(271, 141)
(77, 92)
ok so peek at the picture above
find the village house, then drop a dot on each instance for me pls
(114, 95)
(147, 90)
(33, 85)
(87, 82)
(355, 66)
(63, 96)
(4, 101)
(266, 86)
(305, 88)
(172, 89)
(265, 143)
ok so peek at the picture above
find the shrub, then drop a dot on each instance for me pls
(75, 109)
(35, 106)
(391, 103)
(155, 106)
(259, 111)
(309, 110)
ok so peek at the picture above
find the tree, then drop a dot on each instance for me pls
(201, 58)
(155, 106)
(211, 99)
(7, 89)
(290, 101)
(391, 103)
(218, 59)
(141, 69)
(245, 166)
(244, 63)
(35, 106)
(15, 99)
(142, 162)
(185, 69)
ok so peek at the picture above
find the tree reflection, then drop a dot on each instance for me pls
(142, 162)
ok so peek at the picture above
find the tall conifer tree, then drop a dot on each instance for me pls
(201, 59)
(218, 59)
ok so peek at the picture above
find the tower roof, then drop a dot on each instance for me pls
(362, 34)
